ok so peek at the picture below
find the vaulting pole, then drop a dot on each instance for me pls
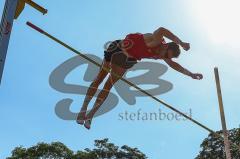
(221, 108)
(128, 82)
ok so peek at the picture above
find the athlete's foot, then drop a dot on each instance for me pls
(81, 117)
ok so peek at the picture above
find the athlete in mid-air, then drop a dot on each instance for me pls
(123, 54)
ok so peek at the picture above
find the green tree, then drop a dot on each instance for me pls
(103, 150)
(213, 147)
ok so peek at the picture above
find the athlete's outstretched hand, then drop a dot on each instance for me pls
(197, 76)
(185, 46)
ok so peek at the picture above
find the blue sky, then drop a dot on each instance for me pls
(28, 101)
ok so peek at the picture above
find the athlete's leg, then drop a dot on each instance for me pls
(92, 90)
(105, 91)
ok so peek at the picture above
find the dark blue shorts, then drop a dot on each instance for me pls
(115, 55)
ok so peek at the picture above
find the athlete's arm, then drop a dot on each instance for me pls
(180, 69)
(163, 32)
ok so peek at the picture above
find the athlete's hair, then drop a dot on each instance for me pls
(175, 48)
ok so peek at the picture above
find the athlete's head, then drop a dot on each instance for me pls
(173, 50)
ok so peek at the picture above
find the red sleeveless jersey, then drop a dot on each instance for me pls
(135, 46)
